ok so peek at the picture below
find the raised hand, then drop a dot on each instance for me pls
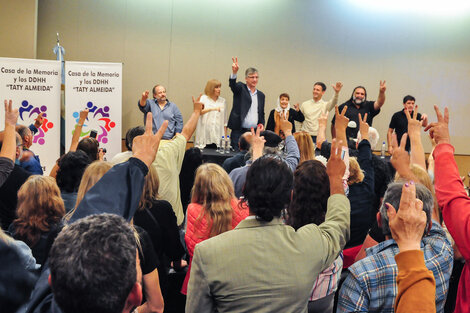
(235, 66)
(440, 131)
(322, 120)
(408, 224)
(145, 147)
(383, 87)
(198, 106)
(342, 121)
(83, 115)
(400, 157)
(414, 126)
(297, 107)
(335, 167)
(39, 120)
(337, 87)
(257, 143)
(11, 115)
(363, 127)
(143, 99)
(286, 126)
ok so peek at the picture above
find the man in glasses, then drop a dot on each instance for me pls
(248, 103)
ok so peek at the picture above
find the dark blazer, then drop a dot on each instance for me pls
(242, 103)
(293, 116)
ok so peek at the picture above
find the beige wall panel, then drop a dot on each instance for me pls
(18, 25)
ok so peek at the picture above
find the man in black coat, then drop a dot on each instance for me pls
(248, 103)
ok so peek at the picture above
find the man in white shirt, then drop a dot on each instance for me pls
(313, 108)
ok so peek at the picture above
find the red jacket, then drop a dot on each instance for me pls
(455, 205)
(195, 235)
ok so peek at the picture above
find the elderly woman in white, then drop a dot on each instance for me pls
(212, 123)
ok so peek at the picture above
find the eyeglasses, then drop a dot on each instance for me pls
(253, 77)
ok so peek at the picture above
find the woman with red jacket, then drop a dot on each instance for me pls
(213, 209)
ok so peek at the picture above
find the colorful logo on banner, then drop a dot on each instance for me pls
(46, 125)
(99, 117)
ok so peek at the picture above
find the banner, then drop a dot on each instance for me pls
(98, 87)
(34, 87)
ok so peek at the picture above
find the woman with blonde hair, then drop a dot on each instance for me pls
(213, 209)
(40, 209)
(306, 146)
(212, 122)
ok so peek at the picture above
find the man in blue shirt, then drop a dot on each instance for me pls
(162, 109)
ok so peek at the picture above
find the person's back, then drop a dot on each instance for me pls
(267, 267)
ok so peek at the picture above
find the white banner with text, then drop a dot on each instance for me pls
(98, 87)
(34, 87)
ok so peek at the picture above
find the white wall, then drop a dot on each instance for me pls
(182, 44)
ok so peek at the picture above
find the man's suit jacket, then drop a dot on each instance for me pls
(242, 103)
(266, 266)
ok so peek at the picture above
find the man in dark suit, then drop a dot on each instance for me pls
(248, 103)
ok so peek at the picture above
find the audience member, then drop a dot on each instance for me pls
(371, 283)
(159, 221)
(8, 142)
(416, 284)
(313, 108)
(212, 123)
(453, 200)
(29, 160)
(306, 146)
(162, 110)
(213, 209)
(40, 211)
(130, 135)
(238, 175)
(358, 104)
(71, 167)
(239, 159)
(248, 103)
(309, 205)
(361, 193)
(191, 161)
(91, 175)
(284, 110)
(94, 266)
(258, 255)
(91, 147)
(17, 277)
(9, 189)
(169, 161)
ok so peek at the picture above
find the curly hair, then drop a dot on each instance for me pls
(40, 206)
(72, 165)
(213, 190)
(267, 188)
(310, 196)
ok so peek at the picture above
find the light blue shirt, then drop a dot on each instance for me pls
(170, 112)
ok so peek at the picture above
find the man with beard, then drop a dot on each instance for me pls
(358, 104)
